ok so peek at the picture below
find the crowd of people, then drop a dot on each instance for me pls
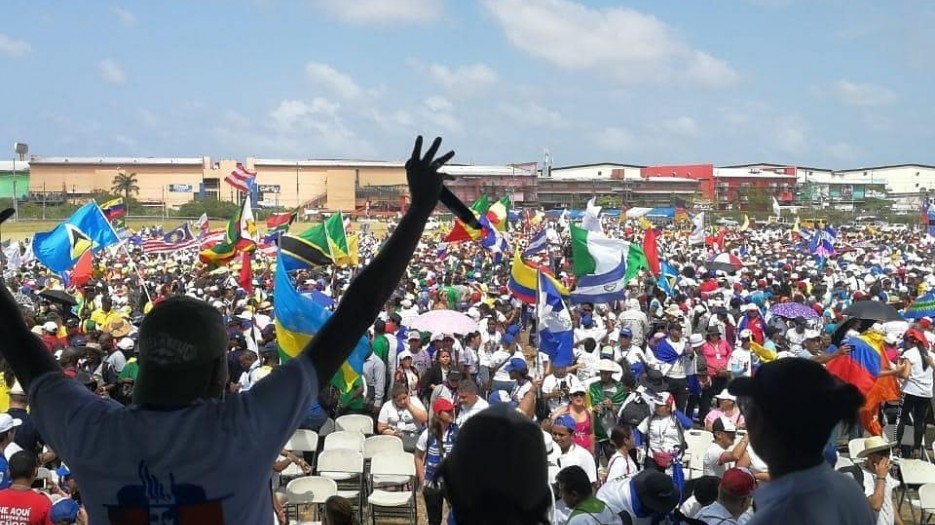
(499, 433)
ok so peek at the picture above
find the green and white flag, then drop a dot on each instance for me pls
(596, 254)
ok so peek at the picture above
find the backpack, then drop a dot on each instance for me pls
(856, 472)
(633, 411)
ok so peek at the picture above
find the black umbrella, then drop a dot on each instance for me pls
(872, 310)
(6, 214)
(859, 325)
(58, 296)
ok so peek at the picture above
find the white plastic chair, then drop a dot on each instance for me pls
(926, 501)
(309, 491)
(345, 439)
(346, 468)
(855, 447)
(374, 445)
(355, 423)
(697, 442)
(400, 503)
(305, 443)
(843, 462)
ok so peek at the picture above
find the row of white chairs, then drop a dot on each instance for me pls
(387, 490)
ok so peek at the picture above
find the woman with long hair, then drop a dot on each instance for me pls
(577, 408)
(437, 374)
(623, 462)
(434, 445)
(405, 374)
(915, 368)
(403, 417)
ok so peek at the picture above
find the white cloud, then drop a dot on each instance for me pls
(464, 79)
(440, 112)
(383, 11)
(864, 95)
(530, 113)
(12, 47)
(683, 126)
(633, 47)
(613, 138)
(333, 81)
(790, 134)
(111, 72)
(125, 16)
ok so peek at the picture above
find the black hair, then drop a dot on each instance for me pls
(23, 464)
(379, 326)
(574, 479)
(590, 344)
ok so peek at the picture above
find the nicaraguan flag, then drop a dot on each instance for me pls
(603, 288)
(555, 327)
(87, 229)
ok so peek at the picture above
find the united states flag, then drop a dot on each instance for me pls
(241, 178)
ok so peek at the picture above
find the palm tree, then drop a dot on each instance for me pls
(125, 183)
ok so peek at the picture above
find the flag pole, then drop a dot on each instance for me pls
(122, 244)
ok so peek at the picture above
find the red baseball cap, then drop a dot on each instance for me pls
(442, 405)
(738, 481)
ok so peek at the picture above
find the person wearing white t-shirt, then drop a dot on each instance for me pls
(722, 454)
(740, 364)
(878, 484)
(557, 385)
(915, 366)
(563, 433)
(403, 417)
(469, 402)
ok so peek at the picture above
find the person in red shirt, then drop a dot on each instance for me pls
(20, 504)
(50, 335)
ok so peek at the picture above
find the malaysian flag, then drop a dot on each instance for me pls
(241, 179)
(177, 239)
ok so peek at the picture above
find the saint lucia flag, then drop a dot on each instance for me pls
(87, 229)
(555, 327)
(667, 279)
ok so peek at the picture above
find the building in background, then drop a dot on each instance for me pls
(14, 174)
(572, 186)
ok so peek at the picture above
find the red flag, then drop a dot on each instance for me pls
(81, 273)
(651, 250)
(246, 273)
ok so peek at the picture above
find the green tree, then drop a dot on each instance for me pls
(214, 209)
(125, 184)
(609, 201)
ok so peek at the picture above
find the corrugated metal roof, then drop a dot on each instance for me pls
(761, 175)
(491, 171)
(668, 179)
(120, 161)
(329, 163)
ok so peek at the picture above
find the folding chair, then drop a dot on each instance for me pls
(697, 442)
(305, 443)
(346, 468)
(889, 432)
(926, 502)
(355, 423)
(308, 491)
(843, 462)
(374, 445)
(400, 503)
(855, 447)
(345, 439)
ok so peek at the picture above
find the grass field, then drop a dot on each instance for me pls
(22, 229)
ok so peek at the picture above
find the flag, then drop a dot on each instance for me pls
(80, 275)
(668, 279)
(776, 208)
(87, 229)
(241, 178)
(305, 250)
(595, 254)
(13, 255)
(591, 219)
(239, 236)
(278, 224)
(337, 239)
(666, 354)
(245, 279)
(202, 225)
(177, 239)
(523, 280)
(299, 318)
(499, 212)
(493, 239)
(821, 242)
(114, 209)
(463, 232)
(603, 288)
(746, 223)
(859, 367)
(697, 235)
(651, 250)
(765, 354)
(556, 338)
(538, 243)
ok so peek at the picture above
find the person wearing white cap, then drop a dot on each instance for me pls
(8, 425)
(723, 454)
(726, 408)
(740, 364)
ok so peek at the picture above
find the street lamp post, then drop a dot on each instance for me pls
(20, 149)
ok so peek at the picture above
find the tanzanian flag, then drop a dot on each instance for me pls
(299, 318)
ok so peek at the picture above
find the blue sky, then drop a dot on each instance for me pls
(825, 83)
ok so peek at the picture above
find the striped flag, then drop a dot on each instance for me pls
(537, 244)
(602, 288)
(241, 178)
(175, 240)
(114, 209)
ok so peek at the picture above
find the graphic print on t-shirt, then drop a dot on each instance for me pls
(152, 502)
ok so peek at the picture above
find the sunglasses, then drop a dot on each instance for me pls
(577, 394)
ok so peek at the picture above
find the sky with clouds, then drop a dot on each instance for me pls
(825, 83)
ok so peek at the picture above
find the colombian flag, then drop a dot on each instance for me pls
(862, 365)
(298, 318)
(523, 280)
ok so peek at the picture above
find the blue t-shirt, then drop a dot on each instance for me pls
(5, 480)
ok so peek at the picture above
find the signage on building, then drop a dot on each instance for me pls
(267, 188)
(180, 188)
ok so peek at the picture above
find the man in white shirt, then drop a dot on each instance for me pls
(717, 459)
(796, 335)
(557, 385)
(735, 496)
(635, 320)
(563, 432)
(469, 402)
(878, 484)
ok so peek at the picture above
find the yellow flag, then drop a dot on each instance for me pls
(765, 354)
(645, 224)
(746, 223)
